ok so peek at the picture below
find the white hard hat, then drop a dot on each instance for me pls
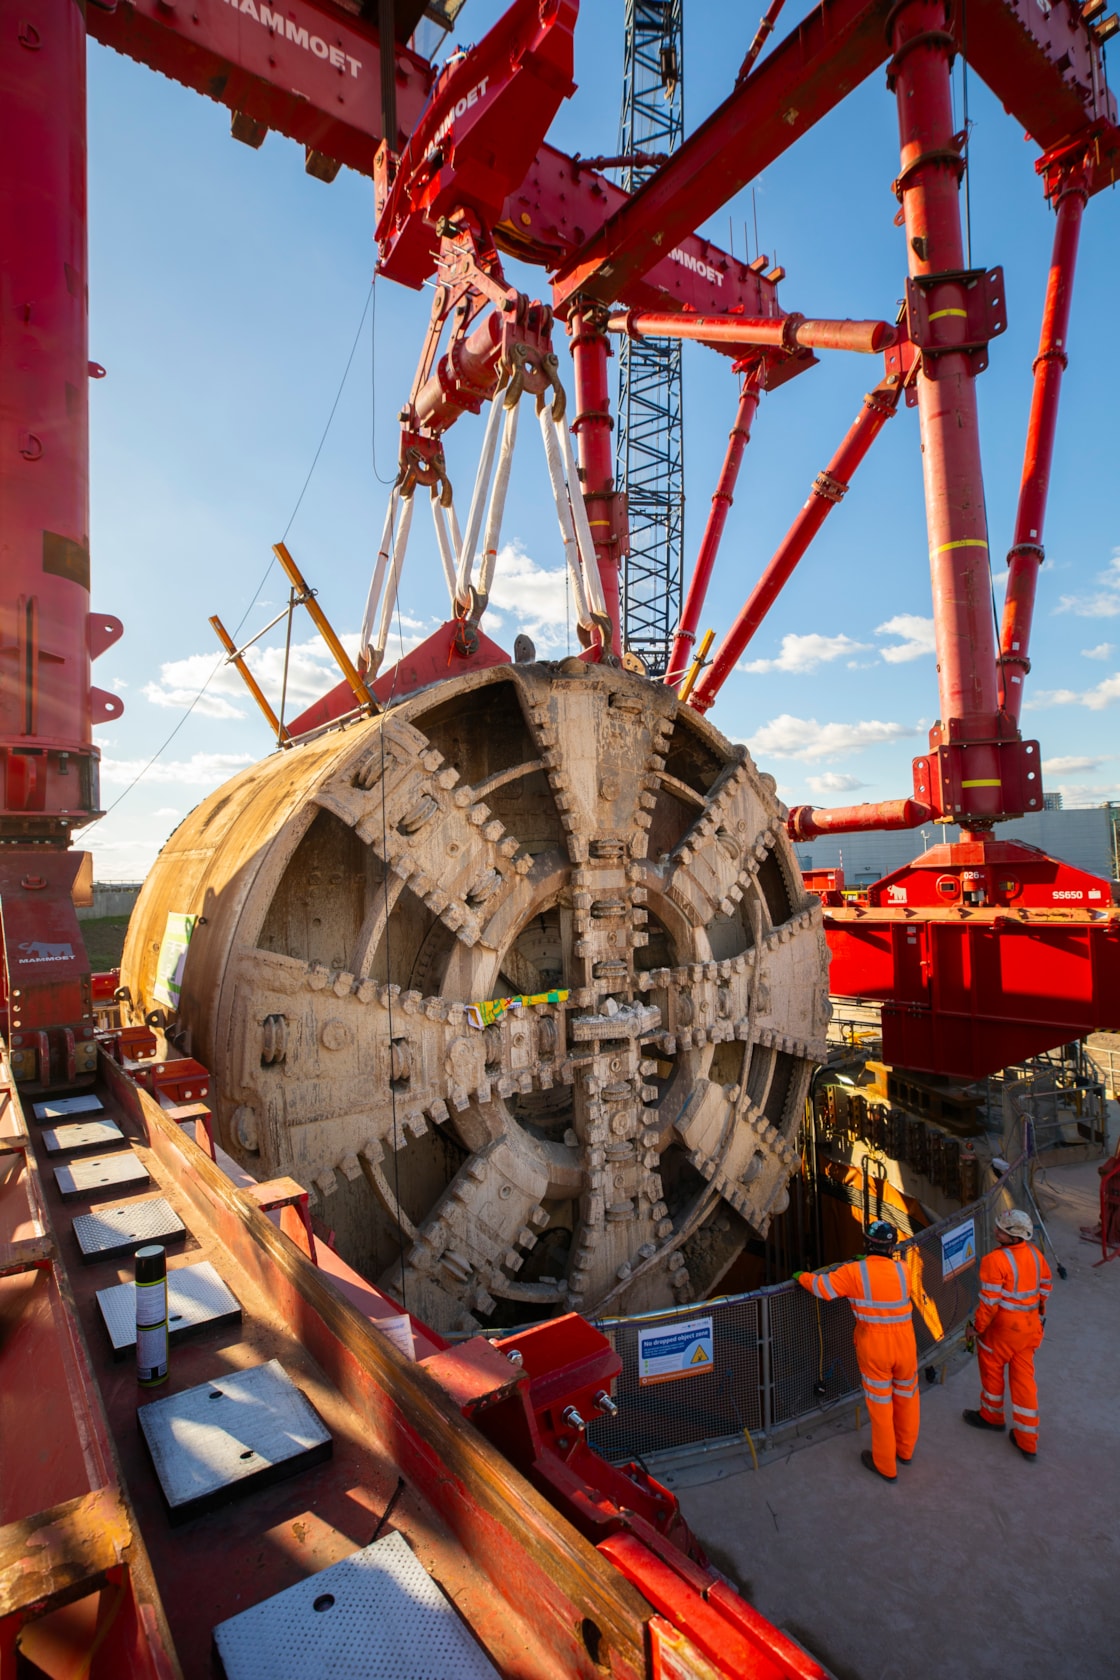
(1015, 1223)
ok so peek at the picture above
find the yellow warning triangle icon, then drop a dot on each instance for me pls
(699, 1357)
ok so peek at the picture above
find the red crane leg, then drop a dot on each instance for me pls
(929, 186)
(46, 632)
(48, 636)
(828, 488)
(738, 438)
(593, 426)
(1026, 553)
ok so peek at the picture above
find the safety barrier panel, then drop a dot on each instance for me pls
(759, 1363)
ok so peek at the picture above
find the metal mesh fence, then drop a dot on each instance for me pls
(780, 1354)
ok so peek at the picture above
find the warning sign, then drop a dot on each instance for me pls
(683, 1349)
(958, 1248)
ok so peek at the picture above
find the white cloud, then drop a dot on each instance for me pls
(1105, 603)
(202, 769)
(167, 811)
(1084, 793)
(916, 633)
(1096, 698)
(1067, 766)
(831, 781)
(1101, 651)
(535, 597)
(806, 739)
(805, 653)
(311, 673)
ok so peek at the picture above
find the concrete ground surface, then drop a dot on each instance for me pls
(974, 1564)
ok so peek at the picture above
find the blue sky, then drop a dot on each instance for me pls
(226, 290)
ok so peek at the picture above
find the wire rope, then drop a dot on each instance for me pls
(162, 748)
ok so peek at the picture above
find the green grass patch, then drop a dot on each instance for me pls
(104, 937)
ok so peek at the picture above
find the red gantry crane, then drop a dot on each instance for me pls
(981, 951)
(951, 945)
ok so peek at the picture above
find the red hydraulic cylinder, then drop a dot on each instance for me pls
(464, 378)
(783, 332)
(1026, 553)
(929, 187)
(809, 822)
(739, 437)
(47, 633)
(828, 488)
(592, 426)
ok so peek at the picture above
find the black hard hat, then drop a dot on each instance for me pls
(881, 1237)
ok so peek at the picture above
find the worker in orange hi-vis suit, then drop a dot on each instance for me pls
(1014, 1284)
(878, 1292)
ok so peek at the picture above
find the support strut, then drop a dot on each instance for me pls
(828, 488)
(738, 438)
(1026, 554)
(593, 426)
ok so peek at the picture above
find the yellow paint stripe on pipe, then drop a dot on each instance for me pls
(989, 781)
(961, 542)
(938, 313)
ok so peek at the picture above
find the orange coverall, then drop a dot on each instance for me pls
(879, 1293)
(1014, 1283)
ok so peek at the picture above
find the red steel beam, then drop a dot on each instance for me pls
(311, 71)
(1027, 553)
(806, 75)
(789, 332)
(829, 487)
(738, 438)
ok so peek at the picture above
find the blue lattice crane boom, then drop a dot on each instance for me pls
(649, 456)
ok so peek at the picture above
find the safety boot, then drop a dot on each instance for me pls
(979, 1422)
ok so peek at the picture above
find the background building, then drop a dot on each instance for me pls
(1088, 839)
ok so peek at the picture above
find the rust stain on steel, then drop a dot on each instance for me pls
(59, 1554)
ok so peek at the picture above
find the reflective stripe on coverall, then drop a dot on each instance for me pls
(879, 1294)
(1014, 1283)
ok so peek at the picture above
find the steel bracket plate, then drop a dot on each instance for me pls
(100, 1175)
(86, 1134)
(937, 332)
(378, 1613)
(221, 1439)
(119, 1230)
(197, 1299)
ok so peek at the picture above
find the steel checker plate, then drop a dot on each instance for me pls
(118, 1230)
(387, 1620)
(64, 1108)
(197, 1299)
(219, 1440)
(100, 1175)
(86, 1134)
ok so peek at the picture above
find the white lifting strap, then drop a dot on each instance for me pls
(478, 503)
(593, 581)
(450, 542)
(549, 430)
(369, 617)
(492, 534)
(377, 652)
